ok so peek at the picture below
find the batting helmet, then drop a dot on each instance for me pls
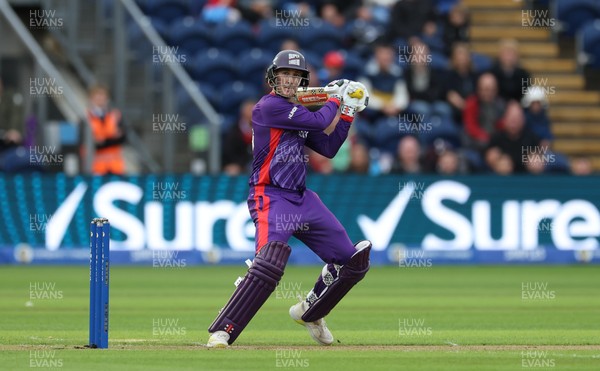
(291, 59)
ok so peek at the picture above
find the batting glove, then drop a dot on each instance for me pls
(355, 99)
(336, 88)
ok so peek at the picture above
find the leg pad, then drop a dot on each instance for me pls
(321, 303)
(254, 290)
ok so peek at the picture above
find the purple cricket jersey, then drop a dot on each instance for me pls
(281, 129)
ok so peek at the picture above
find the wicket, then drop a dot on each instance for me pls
(99, 282)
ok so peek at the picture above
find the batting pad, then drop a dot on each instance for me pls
(253, 291)
(349, 275)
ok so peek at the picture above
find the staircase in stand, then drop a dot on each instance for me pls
(574, 111)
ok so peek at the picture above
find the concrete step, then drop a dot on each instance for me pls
(572, 97)
(596, 163)
(495, 4)
(573, 147)
(561, 81)
(536, 65)
(576, 129)
(496, 17)
(575, 114)
(479, 33)
(526, 49)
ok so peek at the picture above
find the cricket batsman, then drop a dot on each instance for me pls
(281, 129)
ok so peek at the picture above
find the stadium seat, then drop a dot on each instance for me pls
(137, 40)
(251, 66)
(232, 96)
(435, 42)
(313, 59)
(321, 37)
(213, 67)
(438, 60)
(444, 6)
(234, 38)
(481, 62)
(572, 14)
(353, 65)
(168, 10)
(588, 44)
(270, 37)
(190, 35)
(188, 108)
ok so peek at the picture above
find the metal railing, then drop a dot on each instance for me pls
(173, 70)
(47, 67)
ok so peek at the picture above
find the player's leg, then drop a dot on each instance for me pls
(251, 293)
(346, 265)
(272, 253)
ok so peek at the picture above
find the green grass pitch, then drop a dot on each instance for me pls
(435, 318)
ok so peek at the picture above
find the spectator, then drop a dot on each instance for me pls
(516, 141)
(426, 87)
(442, 158)
(378, 124)
(12, 112)
(483, 112)
(255, 10)
(331, 13)
(410, 18)
(581, 166)
(409, 156)
(220, 11)
(456, 27)
(370, 23)
(460, 80)
(512, 79)
(536, 116)
(359, 158)
(448, 163)
(333, 66)
(107, 130)
(237, 144)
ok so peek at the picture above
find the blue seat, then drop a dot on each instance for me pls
(321, 37)
(188, 108)
(434, 43)
(270, 37)
(438, 60)
(444, 6)
(252, 65)
(233, 95)
(191, 36)
(353, 65)
(588, 44)
(213, 67)
(138, 42)
(481, 62)
(235, 38)
(313, 59)
(168, 10)
(573, 14)
(68, 133)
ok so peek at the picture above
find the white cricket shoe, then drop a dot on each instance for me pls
(318, 329)
(218, 339)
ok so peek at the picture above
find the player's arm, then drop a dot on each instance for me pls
(289, 116)
(354, 97)
(328, 145)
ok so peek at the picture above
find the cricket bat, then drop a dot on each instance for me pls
(314, 98)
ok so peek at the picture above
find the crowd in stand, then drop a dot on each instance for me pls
(436, 107)
(425, 116)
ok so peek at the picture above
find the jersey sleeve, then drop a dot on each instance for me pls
(328, 145)
(282, 114)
